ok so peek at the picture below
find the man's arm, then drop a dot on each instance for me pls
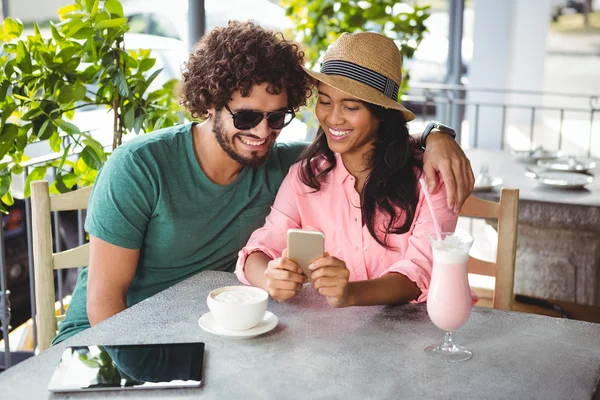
(444, 155)
(110, 272)
(118, 214)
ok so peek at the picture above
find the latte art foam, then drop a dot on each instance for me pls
(238, 297)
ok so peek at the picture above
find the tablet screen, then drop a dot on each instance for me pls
(147, 366)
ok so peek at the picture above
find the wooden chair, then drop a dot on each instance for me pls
(506, 212)
(44, 260)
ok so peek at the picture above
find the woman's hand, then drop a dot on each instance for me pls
(330, 278)
(284, 278)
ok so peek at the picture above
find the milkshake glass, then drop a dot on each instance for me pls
(449, 297)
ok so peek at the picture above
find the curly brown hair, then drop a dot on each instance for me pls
(236, 57)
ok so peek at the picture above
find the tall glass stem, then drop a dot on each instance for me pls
(448, 343)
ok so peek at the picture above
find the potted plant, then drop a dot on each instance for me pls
(44, 81)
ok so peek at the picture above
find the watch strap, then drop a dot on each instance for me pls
(439, 126)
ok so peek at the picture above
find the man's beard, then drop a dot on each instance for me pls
(227, 145)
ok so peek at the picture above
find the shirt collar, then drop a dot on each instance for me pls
(340, 172)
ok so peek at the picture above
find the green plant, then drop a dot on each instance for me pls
(319, 23)
(43, 81)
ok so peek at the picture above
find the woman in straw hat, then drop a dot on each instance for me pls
(358, 184)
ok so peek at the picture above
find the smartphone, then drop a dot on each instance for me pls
(304, 247)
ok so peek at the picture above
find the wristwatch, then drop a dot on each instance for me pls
(439, 126)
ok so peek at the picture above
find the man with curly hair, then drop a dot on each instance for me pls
(185, 199)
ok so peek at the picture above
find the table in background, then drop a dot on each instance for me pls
(558, 253)
(317, 352)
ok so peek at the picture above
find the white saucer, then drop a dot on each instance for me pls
(208, 323)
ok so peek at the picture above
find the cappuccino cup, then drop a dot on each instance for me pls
(238, 308)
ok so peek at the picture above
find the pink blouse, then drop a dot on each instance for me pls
(335, 211)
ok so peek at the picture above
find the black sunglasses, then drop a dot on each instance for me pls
(246, 119)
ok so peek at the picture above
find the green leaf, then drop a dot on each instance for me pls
(5, 179)
(56, 34)
(8, 199)
(111, 23)
(95, 8)
(114, 7)
(149, 81)
(55, 141)
(121, 83)
(90, 158)
(160, 122)
(64, 156)
(23, 57)
(84, 33)
(96, 146)
(17, 170)
(66, 54)
(36, 30)
(44, 128)
(38, 174)
(146, 64)
(137, 125)
(68, 127)
(3, 89)
(128, 119)
(70, 93)
(68, 9)
(7, 138)
(89, 5)
(22, 136)
(12, 28)
(31, 114)
(90, 72)
(74, 29)
(69, 180)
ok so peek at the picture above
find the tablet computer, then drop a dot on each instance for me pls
(129, 367)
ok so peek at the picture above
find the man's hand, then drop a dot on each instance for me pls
(284, 278)
(330, 277)
(444, 155)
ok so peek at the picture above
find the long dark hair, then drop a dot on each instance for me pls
(392, 180)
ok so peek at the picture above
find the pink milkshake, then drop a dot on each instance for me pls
(449, 297)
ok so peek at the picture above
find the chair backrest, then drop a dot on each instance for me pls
(44, 260)
(506, 211)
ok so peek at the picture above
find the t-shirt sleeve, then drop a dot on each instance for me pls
(122, 201)
(288, 154)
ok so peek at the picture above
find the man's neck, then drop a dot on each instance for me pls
(216, 164)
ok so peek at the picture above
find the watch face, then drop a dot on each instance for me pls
(444, 128)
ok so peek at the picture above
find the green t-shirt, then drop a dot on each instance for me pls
(152, 195)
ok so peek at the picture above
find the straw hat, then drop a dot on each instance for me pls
(367, 66)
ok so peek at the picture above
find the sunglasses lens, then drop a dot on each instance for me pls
(247, 119)
(278, 120)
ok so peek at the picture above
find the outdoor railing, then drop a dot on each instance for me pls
(464, 102)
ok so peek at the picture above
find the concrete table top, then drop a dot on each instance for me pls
(502, 164)
(317, 352)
